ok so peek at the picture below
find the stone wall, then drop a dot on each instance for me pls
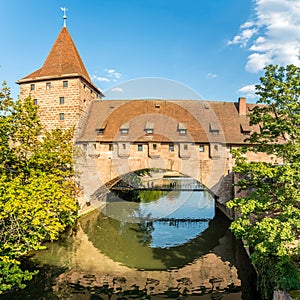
(76, 97)
(281, 295)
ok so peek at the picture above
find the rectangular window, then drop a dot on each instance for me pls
(110, 147)
(61, 116)
(65, 83)
(124, 131)
(214, 128)
(215, 132)
(140, 147)
(201, 148)
(149, 127)
(182, 131)
(149, 131)
(216, 147)
(32, 87)
(95, 146)
(185, 147)
(35, 101)
(48, 85)
(171, 148)
(154, 147)
(84, 147)
(61, 100)
(124, 146)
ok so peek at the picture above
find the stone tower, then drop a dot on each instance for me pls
(61, 88)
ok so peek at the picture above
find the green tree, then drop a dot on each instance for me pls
(269, 216)
(37, 188)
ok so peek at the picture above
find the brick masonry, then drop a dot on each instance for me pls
(47, 94)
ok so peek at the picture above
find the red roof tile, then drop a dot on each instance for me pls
(63, 60)
(205, 121)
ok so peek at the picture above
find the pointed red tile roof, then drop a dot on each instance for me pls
(63, 60)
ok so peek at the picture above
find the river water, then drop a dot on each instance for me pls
(168, 243)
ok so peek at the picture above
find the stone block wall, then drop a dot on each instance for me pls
(47, 95)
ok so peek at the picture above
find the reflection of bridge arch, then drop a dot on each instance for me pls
(149, 179)
(166, 258)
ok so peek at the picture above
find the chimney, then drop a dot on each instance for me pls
(242, 106)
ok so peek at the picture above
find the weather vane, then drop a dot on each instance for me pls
(64, 9)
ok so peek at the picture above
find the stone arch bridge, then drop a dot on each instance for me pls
(193, 138)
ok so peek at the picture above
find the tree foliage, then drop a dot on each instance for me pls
(37, 190)
(269, 216)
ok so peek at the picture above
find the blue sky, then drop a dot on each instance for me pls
(216, 48)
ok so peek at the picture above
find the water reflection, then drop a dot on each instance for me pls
(170, 244)
(130, 243)
(172, 219)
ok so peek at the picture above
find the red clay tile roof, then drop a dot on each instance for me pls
(201, 119)
(63, 60)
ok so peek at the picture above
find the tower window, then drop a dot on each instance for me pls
(61, 116)
(35, 101)
(32, 87)
(48, 85)
(65, 83)
(61, 100)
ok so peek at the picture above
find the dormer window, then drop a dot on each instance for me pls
(124, 129)
(100, 130)
(246, 129)
(181, 129)
(214, 128)
(149, 128)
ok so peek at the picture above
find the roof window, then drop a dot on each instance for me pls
(149, 127)
(246, 129)
(124, 129)
(181, 129)
(100, 130)
(214, 128)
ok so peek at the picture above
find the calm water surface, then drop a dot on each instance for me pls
(161, 244)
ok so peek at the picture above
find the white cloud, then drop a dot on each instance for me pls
(273, 36)
(247, 24)
(110, 71)
(113, 73)
(245, 35)
(211, 75)
(99, 78)
(117, 90)
(248, 91)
